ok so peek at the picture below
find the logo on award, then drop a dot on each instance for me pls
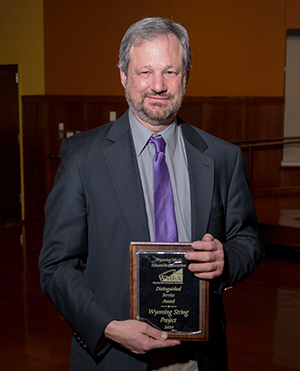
(172, 276)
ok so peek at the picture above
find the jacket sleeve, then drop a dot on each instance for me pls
(242, 249)
(64, 252)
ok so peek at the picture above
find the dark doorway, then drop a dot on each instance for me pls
(10, 183)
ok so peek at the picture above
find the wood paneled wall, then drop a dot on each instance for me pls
(232, 119)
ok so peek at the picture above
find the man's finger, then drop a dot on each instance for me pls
(203, 267)
(154, 333)
(203, 245)
(207, 237)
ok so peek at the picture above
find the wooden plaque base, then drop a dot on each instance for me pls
(165, 294)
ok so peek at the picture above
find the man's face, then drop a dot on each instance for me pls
(155, 83)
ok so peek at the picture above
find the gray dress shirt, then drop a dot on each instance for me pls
(178, 168)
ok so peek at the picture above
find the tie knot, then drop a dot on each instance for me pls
(159, 143)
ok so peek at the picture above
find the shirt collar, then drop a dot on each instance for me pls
(141, 134)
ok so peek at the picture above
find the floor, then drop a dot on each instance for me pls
(263, 311)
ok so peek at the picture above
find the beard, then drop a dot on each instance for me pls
(156, 113)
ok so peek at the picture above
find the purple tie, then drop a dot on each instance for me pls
(165, 229)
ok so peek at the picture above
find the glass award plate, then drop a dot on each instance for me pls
(165, 294)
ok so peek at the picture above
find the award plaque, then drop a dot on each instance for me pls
(165, 294)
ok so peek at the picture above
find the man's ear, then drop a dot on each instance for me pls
(123, 77)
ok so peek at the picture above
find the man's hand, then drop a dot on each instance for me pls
(208, 258)
(138, 337)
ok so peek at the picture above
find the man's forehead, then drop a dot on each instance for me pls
(169, 42)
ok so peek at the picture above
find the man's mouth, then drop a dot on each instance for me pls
(158, 98)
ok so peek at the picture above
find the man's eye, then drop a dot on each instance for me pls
(170, 73)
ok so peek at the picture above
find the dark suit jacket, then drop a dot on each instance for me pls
(97, 207)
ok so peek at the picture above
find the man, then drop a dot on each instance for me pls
(103, 198)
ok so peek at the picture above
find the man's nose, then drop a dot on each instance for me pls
(159, 84)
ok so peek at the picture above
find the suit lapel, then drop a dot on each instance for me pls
(201, 173)
(122, 164)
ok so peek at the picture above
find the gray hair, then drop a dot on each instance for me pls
(150, 28)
